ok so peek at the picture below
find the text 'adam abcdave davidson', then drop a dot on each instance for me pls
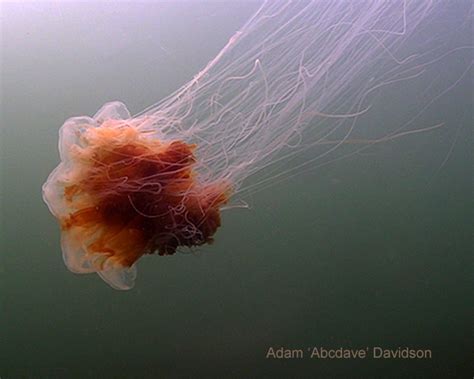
(374, 352)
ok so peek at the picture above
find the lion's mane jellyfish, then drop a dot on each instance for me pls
(296, 78)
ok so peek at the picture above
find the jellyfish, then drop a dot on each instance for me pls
(292, 82)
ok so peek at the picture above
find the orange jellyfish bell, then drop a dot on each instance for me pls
(121, 192)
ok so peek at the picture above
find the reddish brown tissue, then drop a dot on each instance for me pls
(130, 194)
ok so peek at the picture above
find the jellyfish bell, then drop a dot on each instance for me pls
(120, 192)
(293, 83)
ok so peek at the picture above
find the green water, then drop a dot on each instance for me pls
(373, 250)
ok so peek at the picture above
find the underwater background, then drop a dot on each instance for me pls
(372, 250)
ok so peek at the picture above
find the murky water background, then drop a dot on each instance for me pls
(374, 250)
